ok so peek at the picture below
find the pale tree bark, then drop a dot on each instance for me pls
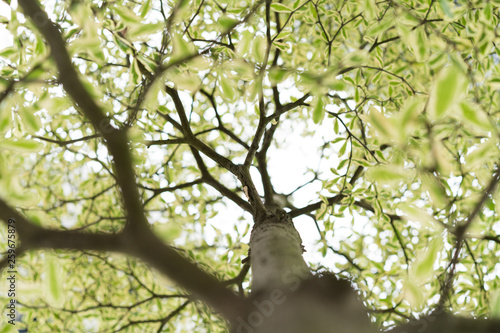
(286, 297)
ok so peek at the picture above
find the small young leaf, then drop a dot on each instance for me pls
(319, 110)
(280, 8)
(135, 72)
(145, 8)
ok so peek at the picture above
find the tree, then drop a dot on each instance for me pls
(129, 126)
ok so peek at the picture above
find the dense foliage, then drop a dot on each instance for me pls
(404, 92)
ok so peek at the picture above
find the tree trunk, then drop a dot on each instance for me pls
(286, 297)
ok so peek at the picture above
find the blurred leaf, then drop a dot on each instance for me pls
(388, 174)
(280, 8)
(495, 304)
(419, 44)
(447, 91)
(144, 30)
(168, 231)
(135, 73)
(382, 124)
(181, 48)
(413, 293)
(23, 146)
(423, 268)
(227, 87)
(475, 116)
(30, 120)
(422, 216)
(435, 189)
(54, 280)
(146, 6)
(8, 328)
(259, 48)
(226, 22)
(318, 110)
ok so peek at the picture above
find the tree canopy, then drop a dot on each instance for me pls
(140, 140)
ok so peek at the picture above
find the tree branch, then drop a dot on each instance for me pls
(116, 139)
(193, 140)
(448, 324)
(288, 107)
(142, 244)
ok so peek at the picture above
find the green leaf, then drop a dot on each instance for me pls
(227, 88)
(245, 42)
(320, 213)
(127, 15)
(475, 116)
(382, 124)
(181, 48)
(447, 91)
(413, 293)
(481, 153)
(123, 44)
(445, 6)
(313, 11)
(29, 119)
(20, 145)
(54, 280)
(5, 120)
(389, 174)
(135, 73)
(420, 215)
(355, 58)
(55, 105)
(8, 52)
(423, 268)
(379, 27)
(419, 44)
(435, 189)
(259, 48)
(277, 75)
(226, 23)
(169, 232)
(144, 30)
(246, 70)
(149, 64)
(280, 8)
(146, 6)
(318, 110)
(495, 304)
(184, 80)
(8, 328)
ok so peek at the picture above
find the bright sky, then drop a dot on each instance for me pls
(6, 38)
